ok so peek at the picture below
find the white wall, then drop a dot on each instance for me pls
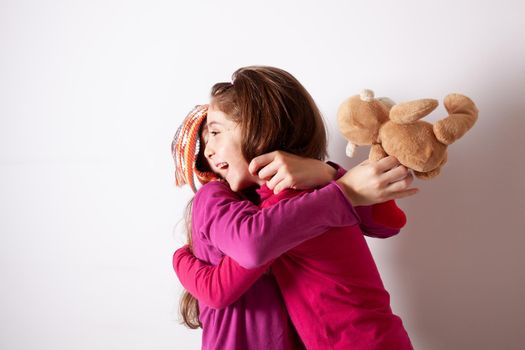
(91, 93)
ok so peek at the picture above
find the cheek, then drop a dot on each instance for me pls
(240, 177)
(235, 151)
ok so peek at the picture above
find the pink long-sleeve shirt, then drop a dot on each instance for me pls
(333, 291)
(220, 285)
(225, 225)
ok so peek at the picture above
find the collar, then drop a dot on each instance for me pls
(264, 192)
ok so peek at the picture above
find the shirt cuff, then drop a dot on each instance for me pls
(340, 170)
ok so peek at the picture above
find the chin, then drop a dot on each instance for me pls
(234, 188)
(234, 185)
(237, 186)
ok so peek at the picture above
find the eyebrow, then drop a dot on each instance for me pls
(213, 123)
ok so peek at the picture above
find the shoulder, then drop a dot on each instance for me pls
(212, 204)
(204, 207)
(213, 195)
(214, 189)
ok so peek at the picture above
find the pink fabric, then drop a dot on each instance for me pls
(333, 291)
(330, 285)
(224, 223)
(253, 237)
(216, 286)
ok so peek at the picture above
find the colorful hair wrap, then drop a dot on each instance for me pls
(185, 149)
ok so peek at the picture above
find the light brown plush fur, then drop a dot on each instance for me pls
(396, 129)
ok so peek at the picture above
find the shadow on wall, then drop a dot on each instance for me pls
(463, 258)
(459, 259)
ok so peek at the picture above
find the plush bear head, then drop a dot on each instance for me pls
(396, 129)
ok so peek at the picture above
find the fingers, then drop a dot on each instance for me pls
(395, 174)
(275, 180)
(282, 185)
(387, 163)
(258, 162)
(280, 181)
(399, 179)
(401, 185)
(268, 171)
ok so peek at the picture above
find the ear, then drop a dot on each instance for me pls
(409, 112)
(463, 114)
(359, 118)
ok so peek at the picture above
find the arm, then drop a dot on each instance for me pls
(219, 286)
(380, 220)
(253, 236)
(216, 286)
(284, 170)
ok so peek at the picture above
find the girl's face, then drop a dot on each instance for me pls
(222, 138)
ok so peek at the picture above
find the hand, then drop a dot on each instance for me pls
(377, 181)
(285, 170)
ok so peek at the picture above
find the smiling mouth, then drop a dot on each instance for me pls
(222, 165)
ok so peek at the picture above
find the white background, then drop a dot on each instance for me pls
(91, 93)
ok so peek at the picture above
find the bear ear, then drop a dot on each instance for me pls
(409, 112)
(463, 113)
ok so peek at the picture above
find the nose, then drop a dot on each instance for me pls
(208, 151)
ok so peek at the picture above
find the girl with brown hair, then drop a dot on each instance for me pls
(266, 109)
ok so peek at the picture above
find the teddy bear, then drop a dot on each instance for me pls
(396, 129)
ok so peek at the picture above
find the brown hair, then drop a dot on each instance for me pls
(275, 112)
(188, 305)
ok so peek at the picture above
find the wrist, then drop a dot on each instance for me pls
(349, 193)
(324, 173)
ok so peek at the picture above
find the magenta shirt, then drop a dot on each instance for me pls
(332, 288)
(223, 225)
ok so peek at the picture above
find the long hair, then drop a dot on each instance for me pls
(275, 112)
(188, 305)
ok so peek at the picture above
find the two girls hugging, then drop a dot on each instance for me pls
(276, 255)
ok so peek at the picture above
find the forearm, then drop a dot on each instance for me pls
(216, 286)
(253, 237)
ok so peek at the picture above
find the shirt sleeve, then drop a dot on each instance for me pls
(381, 220)
(253, 236)
(340, 171)
(216, 286)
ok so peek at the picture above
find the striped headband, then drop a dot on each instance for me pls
(185, 149)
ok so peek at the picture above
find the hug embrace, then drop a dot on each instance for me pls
(276, 255)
